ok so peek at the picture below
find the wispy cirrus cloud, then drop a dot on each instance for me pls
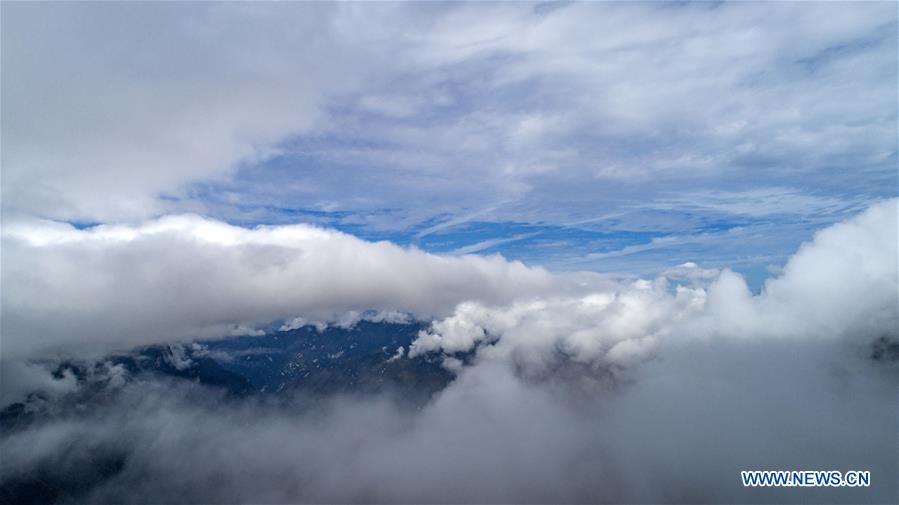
(445, 110)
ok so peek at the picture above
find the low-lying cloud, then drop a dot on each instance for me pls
(642, 392)
(677, 430)
(843, 284)
(639, 392)
(186, 277)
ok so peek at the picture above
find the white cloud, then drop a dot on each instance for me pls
(349, 319)
(185, 276)
(458, 108)
(594, 105)
(580, 389)
(843, 284)
(578, 393)
(108, 107)
(692, 273)
(492, 437)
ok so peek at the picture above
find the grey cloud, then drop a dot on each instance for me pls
(677, 430)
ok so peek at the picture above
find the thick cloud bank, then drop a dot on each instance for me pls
(171, 93)
(680, 432)
(639, 393)
(186, 276)
(841, 285)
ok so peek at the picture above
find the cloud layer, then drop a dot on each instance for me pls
(679, 432)
(185, 277)
(843, 284)
(635, 392)
(109, 108)
(401, 114)
(612, 136)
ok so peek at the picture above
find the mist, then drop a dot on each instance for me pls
(718, 380)
(448, 252)
(677, 430)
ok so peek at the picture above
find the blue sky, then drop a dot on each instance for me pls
(619, 138)
(178, 172)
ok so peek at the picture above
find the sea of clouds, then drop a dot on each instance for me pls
(568, 388)
(133, 133)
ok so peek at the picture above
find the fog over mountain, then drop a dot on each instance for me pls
(643, 391)
(447, 252)
(197, 275)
